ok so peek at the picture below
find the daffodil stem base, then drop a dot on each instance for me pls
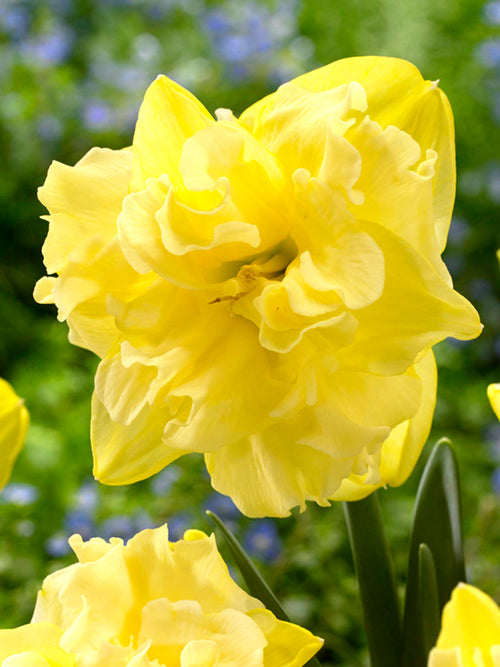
(377, 585)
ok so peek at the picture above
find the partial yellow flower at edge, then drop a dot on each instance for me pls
(14, 419)
(494, 398)
(177, 606)
(470, 631)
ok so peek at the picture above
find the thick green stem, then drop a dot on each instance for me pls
(377, 584)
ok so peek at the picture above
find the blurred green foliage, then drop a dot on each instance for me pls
(73, 75)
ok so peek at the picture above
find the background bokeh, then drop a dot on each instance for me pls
(72, 75)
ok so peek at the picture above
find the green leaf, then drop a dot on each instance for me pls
(430, 617)
(256, 584)
(377, 585)
(436, 523)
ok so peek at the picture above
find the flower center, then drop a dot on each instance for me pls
(263, 267)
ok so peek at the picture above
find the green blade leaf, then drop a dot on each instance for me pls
(436, 523)
(377, 585)
(428, 598)
(257, 586)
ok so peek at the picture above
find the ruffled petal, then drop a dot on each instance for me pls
(194, 232)
(95, 272)
(417, 309)
(397, 182)
(124, 454)
(294, 124)
(168, 116)
(288, 645)
(401, 449)
(268, 474)
(207, 364)
(35, 644)
(182, 631)
(80, 208)
(396, 94)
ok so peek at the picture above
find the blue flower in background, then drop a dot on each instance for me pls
(57, 546)
(117, 526)
(495, 481)
(51, 48)
(19, 494)
(262, 540)
(163, 481)
(14, 20)
(97, 115)
(79, 521)
(253, 40)
(488, 53)
(492, 437)
(49, 127)
(142, 520)
(459, 231)
(491, 13)
(61, 7)
(223, 506)
(87, 497)
(178, 524)
(217, 22)
(493, 183)
(480, 289)
(234, 48)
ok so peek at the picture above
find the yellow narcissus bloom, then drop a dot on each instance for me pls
(14, 419)
(494, 398)
(152, 603)
(265, 290)
(470, 631)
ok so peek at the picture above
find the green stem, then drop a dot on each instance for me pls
(257, 586)
(437, 524)
(377, 584)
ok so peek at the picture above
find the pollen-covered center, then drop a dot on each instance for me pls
(254, 275)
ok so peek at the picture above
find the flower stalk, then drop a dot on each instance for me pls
(377, 583)
(254, 580)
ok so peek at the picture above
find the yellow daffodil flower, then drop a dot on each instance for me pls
(152, 603)
(470, 631)
(494, 398)
(14, 419)
(265, 290)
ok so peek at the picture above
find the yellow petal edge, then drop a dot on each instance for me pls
(470, 631)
